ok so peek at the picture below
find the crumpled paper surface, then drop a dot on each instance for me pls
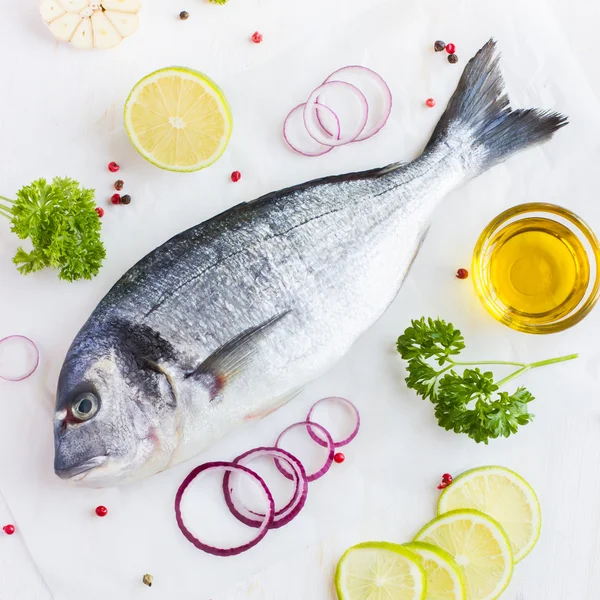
(62, 116)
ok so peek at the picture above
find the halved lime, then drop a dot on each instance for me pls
(380, 571)
(178, 119)
(480, 547)
(506, 497)
(444, 577)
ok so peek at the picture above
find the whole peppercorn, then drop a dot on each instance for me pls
(101, 511)
(450, 48)
(462, 274)
(236, 176)
(8, 529)
(113, 167)
(452, 59)
(147, 579)
(119, 185)
(184, 14)
(430, 102)
(99, 211)
(116, 198)
(126, 199)
(439, 46)
(257, 37)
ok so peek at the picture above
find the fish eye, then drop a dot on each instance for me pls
(84, 406)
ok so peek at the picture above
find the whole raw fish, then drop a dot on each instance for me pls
(226, 321)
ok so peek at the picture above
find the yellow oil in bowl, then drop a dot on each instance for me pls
(535, 268)
(539, 267)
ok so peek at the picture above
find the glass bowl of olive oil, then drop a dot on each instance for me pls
(536, 268)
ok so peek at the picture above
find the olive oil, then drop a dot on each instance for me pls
(539, 268)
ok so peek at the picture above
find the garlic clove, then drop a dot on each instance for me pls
(75, 6)
(83, 36)
(125, 23)
(50, 10)
(130, 6)
(106, 34)
(64, 27)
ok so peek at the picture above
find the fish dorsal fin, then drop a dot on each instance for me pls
(227, 361)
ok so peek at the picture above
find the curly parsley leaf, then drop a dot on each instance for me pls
(471, 403)
(60, 220)
(430, 339)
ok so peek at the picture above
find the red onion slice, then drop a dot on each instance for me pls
(227, 467)
(297, 138)
(352, 120)
(330, 445)
(376, 92)
(343, 442)
(32, 361)
(282, 516)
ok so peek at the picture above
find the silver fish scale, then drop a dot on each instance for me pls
(317, 251)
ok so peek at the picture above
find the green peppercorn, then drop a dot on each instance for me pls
(126, 199)
(452, 58)
(184, 14)
(439, 46)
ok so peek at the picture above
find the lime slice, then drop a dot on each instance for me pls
(380, 571)
(444, 577)
(503, 495)
(178, 119)
(479, 545)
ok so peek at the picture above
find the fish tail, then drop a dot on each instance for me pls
(479, 122)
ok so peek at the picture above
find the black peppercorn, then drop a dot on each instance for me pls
(452, 58)
(126, 199)
(439, 46)
(119, 184)
(184, 14)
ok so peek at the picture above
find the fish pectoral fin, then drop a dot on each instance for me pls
(227, 361)
(277, 403)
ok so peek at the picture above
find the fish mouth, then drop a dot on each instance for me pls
(79, 471)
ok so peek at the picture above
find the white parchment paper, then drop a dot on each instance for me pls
(62, 116)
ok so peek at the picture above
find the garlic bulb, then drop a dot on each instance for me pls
(91, 24)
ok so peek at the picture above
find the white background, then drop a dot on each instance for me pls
(61, 115)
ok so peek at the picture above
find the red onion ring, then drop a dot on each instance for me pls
(344, 442)
(314, 104)
(36, 360)
(282, 516)
(223, 466)
(377, 95)
(319, 473)
(296, 136)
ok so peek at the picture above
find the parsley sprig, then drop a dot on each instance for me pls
(470, 403)
(62, 225)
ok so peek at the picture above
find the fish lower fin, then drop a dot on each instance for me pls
(277, 404)
(479, 123)
(227, 361)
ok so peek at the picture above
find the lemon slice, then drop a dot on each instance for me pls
(380, 571)
(444, 578)
(178, 119)
(503, 495)
(479, 545)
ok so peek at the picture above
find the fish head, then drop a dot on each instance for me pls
(116, 413)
